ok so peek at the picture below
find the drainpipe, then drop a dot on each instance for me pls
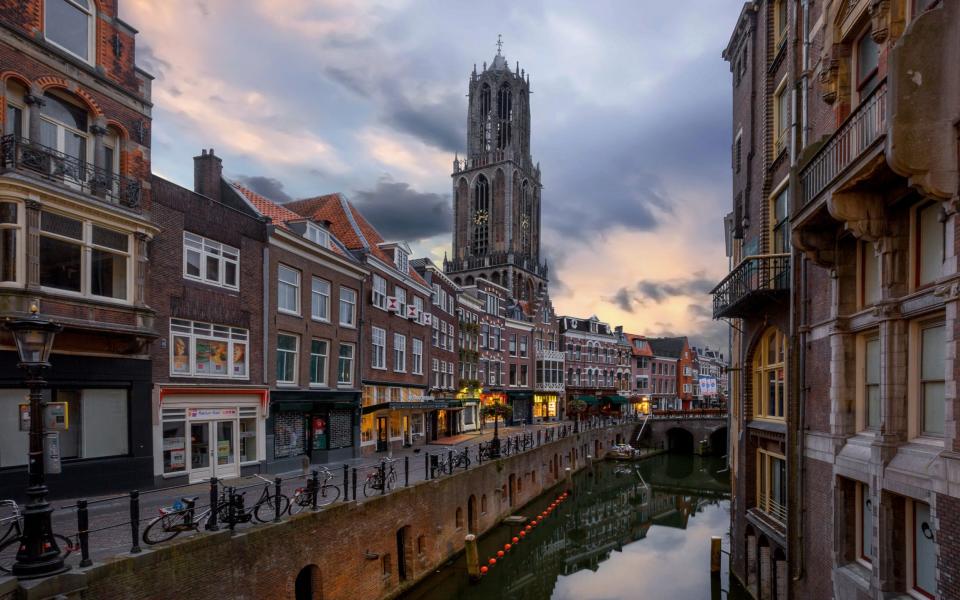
(266, 307)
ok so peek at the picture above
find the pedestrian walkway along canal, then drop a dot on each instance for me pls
(626, 531)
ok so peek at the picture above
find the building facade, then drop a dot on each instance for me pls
(75, 215)
(843, 260)
(591, 361)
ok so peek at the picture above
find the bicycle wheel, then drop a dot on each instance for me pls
(300, 501)
(391, 479)
(369, 488)
(328, 495)
(164, 528)
(266, 510)
(8, 554)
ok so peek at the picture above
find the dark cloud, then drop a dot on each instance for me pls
(150, 62)
(438, 124)
(699, 311)
(401, 213)
(661, 290)
(265, 186)
(622, 299)
(348, 79)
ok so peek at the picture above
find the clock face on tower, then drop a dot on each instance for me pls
(480, 217)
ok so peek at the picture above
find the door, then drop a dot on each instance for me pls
(213, 450)
(226, 450)
(407, 440)
(200, 468)
(382, 434)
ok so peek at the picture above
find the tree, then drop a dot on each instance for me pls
(497, 410)
(577, 407)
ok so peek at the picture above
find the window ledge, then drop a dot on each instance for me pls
(288, 312)
(319, 320)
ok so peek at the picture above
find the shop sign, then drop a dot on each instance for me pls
(223, 449)
(173, 443)
(420, 398)
(212, 413)
(178, 459)
(55, 416)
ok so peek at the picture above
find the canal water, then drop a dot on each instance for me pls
(628, 531)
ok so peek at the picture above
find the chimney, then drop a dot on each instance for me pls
(207, 172)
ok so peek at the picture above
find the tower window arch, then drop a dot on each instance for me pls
(485, 124)
(504, 116)
(526, 218)
(481, 216)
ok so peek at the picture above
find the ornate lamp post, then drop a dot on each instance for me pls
(39, 554)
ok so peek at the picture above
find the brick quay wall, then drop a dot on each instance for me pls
(351, 549)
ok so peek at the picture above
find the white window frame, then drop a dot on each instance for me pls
(193, 331)
(91, 30)
(315, 296)
(317, 235)
(378, 352)
(379, 292)
(207, 249)
(296, 358)
(351, 304)
(401, 295)
(322, 382)
(399, 353)
(295, 285)
(352, 359)
(416, 352)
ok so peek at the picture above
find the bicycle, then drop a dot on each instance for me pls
(461, 459)
(380, 477)
(11, 542)
(265, 508)
(175, 519)
(327, 493)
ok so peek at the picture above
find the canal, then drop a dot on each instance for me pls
(627, 531)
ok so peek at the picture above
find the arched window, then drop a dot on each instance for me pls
(481, 216)
(485, 99)
(64, 127)
(769, 375)
(569, 376)
(504, 116)
(69, 25)
(526, 218)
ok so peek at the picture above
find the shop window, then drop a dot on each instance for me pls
(868, 406)
(69, 24)
(366, 429)
(10, 235)
(81, 257)
(345, 365)
(174, 440)
(772, 485)
(348, 307)
(399, 353)
(319, 351)
(288, 290)
(248, 435)
(864, 518)
(769, 368)
(929, 244)
(922, 550)
(287, 349)
(320, 299)
(207, 350)
(289, 434)
(932, 347)
(210, 261)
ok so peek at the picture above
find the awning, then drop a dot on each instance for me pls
(591, 400)
(616, 399)
(427, 405)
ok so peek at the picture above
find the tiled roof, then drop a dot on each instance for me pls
(349, 225)
(646, 351)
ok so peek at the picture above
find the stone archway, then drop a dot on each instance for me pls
(308, 585)
(679, 440)
(718, 441)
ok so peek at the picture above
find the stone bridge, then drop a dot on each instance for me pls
(700, 432)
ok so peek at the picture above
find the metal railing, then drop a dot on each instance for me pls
(24, 155)
(773, 509)
(495, 259)
(865, 126)
(766, 273)
(696, 413)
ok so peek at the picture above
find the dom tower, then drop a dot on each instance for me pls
(496, 187)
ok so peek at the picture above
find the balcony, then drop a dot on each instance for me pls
(554, 355)
(755, 281)
(863, 130)
(495, 259)
(25, 156)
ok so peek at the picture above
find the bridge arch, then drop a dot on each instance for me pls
(718, 440)
(679, 439)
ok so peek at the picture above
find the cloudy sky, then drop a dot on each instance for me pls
(630, 123)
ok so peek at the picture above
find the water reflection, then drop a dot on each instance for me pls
(629, 530)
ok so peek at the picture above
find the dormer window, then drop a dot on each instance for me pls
(69, 25)
(318, 235)
(401, 260)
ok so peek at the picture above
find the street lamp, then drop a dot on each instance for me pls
(38, 555)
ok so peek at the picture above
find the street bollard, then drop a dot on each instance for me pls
(426, 466)
(383, 477)
(230, 514)
(135, 521)
(450, 462)
(354, 484)
(568, 476)
(406, 471)
(480, 453)
(315, 484)
(83, 533)
(473, 556)
(212, 521)
(539, 439)
(715, 554)
(346, 495)
(277, 487)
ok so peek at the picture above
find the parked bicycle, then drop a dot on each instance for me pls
(326, 493)
(11, 524)
(180, 517)
(381, 478)
(265, 508)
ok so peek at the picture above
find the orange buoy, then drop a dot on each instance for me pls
(492, 561)
(499, 553)
(483, 570)
(515, 539)
(507, 547)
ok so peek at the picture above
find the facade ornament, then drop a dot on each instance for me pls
(31, 204)
(818, 245)
(880, 20)
(948, 291)
(863, 214)
(828, 77)
(886, 310)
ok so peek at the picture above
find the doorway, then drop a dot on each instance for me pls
(407, 438)
(213, 450)
(473, 525)
(511, 489)
(403, 541)
(307, 585)
(382, 434)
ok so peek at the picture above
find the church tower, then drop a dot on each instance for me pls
(496, 187)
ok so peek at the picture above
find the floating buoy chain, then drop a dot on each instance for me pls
(528, 527)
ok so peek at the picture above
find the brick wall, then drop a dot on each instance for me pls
(948, 537)
(818, 532)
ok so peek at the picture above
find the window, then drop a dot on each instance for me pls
(69, 24)
(523, 346)
(379, 292)
(929, 244)
(416, 350)
(513, 344)
(399, 353)
(483, 335)
(781, 117)
(869, 406)
(921, 550)
(378, 354)
(780, 20)
(348, 307)
(10, 236)
(513, 375)
(319, 350)
(317, 235)
(868, 60)
(932, 367)
(779, 225)
(869, 275)
(418, 304)
(210, 262)
(63, 127)
(401, 295)
(492, 304)
(769, 363)
(288, 290)
(287, 347)
(402, 260)
(523, 375)
(737, 149)
(345, 365)
(81, 257)
(320, 299)
(207, 350)
(864, 521)
(772, 485)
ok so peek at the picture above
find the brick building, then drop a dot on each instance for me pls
(549, 363)
(710, 383)
(492, 299)
(206, 286)
(591, 361)
(843, 478)
(395, 330)
(519, 362)
(311, 290)
(76, 220)
(641, 377)
(673, 357)
(469, 383)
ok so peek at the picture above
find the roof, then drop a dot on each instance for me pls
(349, 225)
(645, 351)
(671, 347)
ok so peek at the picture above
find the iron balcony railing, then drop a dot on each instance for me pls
(753, 278)
(24, 155)
(495, 259)
(862, 129)
(773, 509)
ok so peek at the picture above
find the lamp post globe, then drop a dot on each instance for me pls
(38, 554)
